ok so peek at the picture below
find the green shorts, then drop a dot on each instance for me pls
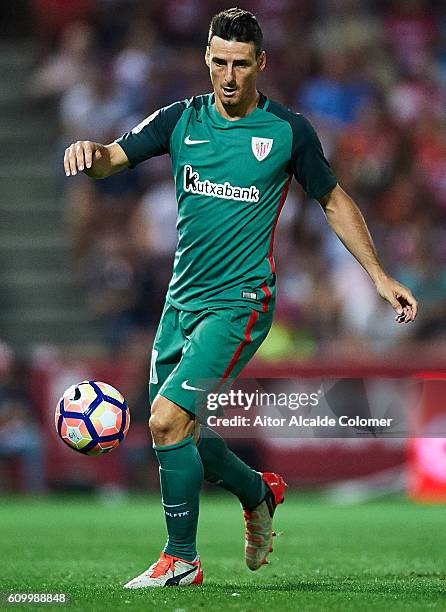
(196, 353)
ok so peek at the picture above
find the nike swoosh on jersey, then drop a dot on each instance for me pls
(174, 505)
(188, 141)
(187, 387)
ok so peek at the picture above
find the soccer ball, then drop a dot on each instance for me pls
(92, 417)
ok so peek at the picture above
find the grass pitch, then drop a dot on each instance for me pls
(386, 555)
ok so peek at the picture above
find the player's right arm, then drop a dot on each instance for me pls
(148, 139)
(94, 159)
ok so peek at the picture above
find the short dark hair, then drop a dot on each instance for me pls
(236, 24)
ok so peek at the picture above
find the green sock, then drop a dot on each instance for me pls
(181, 477)
(222, 467)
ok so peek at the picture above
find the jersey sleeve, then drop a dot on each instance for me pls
(151, 137)
(309, 165)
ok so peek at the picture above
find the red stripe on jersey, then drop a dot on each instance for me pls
(246, 340)
(279, 208)
(267, 297)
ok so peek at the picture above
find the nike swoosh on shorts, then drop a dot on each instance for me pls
(187, 387)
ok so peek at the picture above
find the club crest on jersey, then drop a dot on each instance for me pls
(261, 147)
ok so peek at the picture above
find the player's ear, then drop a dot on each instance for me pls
(207, 58)
(261, 61)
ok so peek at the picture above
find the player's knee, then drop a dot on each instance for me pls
(159, 425)
(169, 423)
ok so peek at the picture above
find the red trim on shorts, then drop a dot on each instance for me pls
(279, 209)
(246, 340)
(267, 297)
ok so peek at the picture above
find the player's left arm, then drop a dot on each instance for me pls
(347, 221)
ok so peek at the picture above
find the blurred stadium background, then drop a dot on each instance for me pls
(84, 265)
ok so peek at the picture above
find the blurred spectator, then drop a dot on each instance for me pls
(132, 67)
(20, 437)
(101, 207)
(337, 93)
(366, 154)
(52, 16)
(414, 95)
(348, 25)
(429, 141)
(411, 29)
(155, 225)
(111, 276)
(93, 108)
(178, 21)
(65, 68)
(429, 284)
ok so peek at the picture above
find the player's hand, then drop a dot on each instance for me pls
(400, 298)
(80, 155)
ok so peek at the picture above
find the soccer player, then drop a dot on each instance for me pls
(234, 152)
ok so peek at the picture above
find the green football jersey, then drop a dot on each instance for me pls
(231, 181)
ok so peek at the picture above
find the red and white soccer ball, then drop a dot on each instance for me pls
(92, 417)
